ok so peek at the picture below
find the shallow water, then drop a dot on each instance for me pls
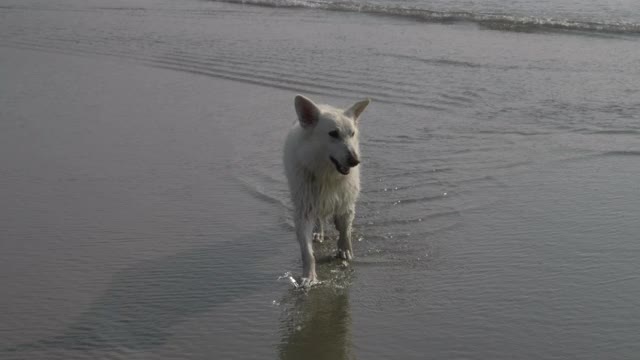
(146, 213)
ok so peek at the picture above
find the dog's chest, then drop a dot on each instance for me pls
(334, 196)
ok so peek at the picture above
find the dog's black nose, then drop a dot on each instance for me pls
(353, 161)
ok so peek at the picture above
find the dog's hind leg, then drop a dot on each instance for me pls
(304, 230)
(318, 231)
(343, 225)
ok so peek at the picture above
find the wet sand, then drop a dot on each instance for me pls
(145, 213)
(121, 219)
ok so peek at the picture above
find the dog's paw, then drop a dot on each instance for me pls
(306, 283)
(344, 254)
(318, 237)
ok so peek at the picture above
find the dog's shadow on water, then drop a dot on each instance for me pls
(146, 300)
(316, 324)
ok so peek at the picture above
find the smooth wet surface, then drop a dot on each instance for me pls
(145, 211)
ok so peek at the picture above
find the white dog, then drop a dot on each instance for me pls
(321, 155)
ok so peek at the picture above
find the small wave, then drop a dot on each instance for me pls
(422, 219)
(621, 153)
(504, 22)
(608, 131)
(413, 200)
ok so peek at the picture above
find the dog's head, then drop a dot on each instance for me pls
(333, 132)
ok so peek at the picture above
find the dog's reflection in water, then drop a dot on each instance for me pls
(317, 323)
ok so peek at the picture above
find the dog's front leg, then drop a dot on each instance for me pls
(304, 230)
(318, 231)
(343, 225)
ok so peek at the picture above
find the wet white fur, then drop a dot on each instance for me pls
(318, 190)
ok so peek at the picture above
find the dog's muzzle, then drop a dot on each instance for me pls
(352, 161)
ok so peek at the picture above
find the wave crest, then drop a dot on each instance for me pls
(490, 21)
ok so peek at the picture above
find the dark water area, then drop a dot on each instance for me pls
(145, 211)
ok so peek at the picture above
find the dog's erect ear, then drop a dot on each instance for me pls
(356, 109)
(308, 112)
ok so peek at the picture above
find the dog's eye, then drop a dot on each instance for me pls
(352, 133)
(333, 134)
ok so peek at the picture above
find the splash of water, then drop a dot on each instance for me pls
(287, 275)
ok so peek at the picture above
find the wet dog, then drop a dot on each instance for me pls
(321, 157)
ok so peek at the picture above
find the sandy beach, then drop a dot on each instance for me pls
(146, 215)
(94, 172)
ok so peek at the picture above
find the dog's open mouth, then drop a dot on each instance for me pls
(344, 170)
